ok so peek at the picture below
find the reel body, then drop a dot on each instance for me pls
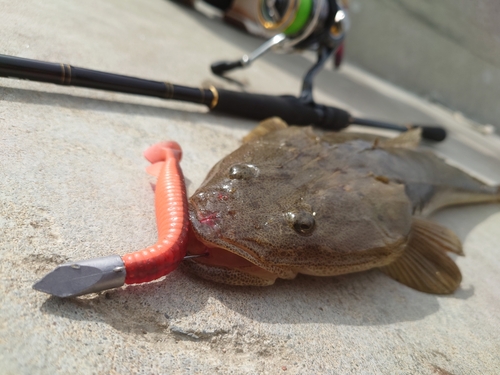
(294, 25)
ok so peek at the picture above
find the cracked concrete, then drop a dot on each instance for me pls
(73, 187)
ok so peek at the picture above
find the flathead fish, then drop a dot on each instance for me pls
(292, 201)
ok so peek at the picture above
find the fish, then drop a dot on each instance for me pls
(292, 200)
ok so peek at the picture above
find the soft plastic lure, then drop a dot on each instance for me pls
(171, 207)
(93, 275)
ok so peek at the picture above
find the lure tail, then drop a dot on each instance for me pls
(156, 155)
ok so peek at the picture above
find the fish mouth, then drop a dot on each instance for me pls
(205, 239)
(225, 261)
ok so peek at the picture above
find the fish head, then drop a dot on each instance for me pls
(274, 209)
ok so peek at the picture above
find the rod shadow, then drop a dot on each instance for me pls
(197, 114)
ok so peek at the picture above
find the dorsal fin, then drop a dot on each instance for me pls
(265, 127)
(424, 265)
(409, 139)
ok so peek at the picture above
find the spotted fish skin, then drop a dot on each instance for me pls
(293, 201)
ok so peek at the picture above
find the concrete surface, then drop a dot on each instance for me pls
(73, 186)
(447, 50)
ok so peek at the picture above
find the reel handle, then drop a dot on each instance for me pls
(220, 67)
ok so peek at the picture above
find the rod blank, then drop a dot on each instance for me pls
(254, 106)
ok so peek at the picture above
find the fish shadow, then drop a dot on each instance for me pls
(364, 299)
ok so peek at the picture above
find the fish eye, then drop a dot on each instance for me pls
(243, 172)
(302, 222)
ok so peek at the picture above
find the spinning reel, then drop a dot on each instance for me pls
(300, 24)
(318, 25)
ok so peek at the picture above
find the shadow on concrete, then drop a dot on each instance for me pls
(364, 299)
(69, 101)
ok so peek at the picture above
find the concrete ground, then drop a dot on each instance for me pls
(447, 50)
(73, 186)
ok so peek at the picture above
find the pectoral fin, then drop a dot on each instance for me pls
(424, 265)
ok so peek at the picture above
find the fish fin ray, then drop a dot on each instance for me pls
(443, 236)
(265, 127)
(409, 139)
(424, 265)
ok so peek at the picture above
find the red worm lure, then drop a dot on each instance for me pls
(97, 274)
(171, 207)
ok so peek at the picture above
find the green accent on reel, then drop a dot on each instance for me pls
(301, 17)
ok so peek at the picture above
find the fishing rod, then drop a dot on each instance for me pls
(293, 110)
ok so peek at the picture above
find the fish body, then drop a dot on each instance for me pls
(292, 201)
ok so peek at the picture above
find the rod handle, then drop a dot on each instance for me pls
(432, 133)
(290, 108)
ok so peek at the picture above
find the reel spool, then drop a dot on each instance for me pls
(297, 19)
(298, 25)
